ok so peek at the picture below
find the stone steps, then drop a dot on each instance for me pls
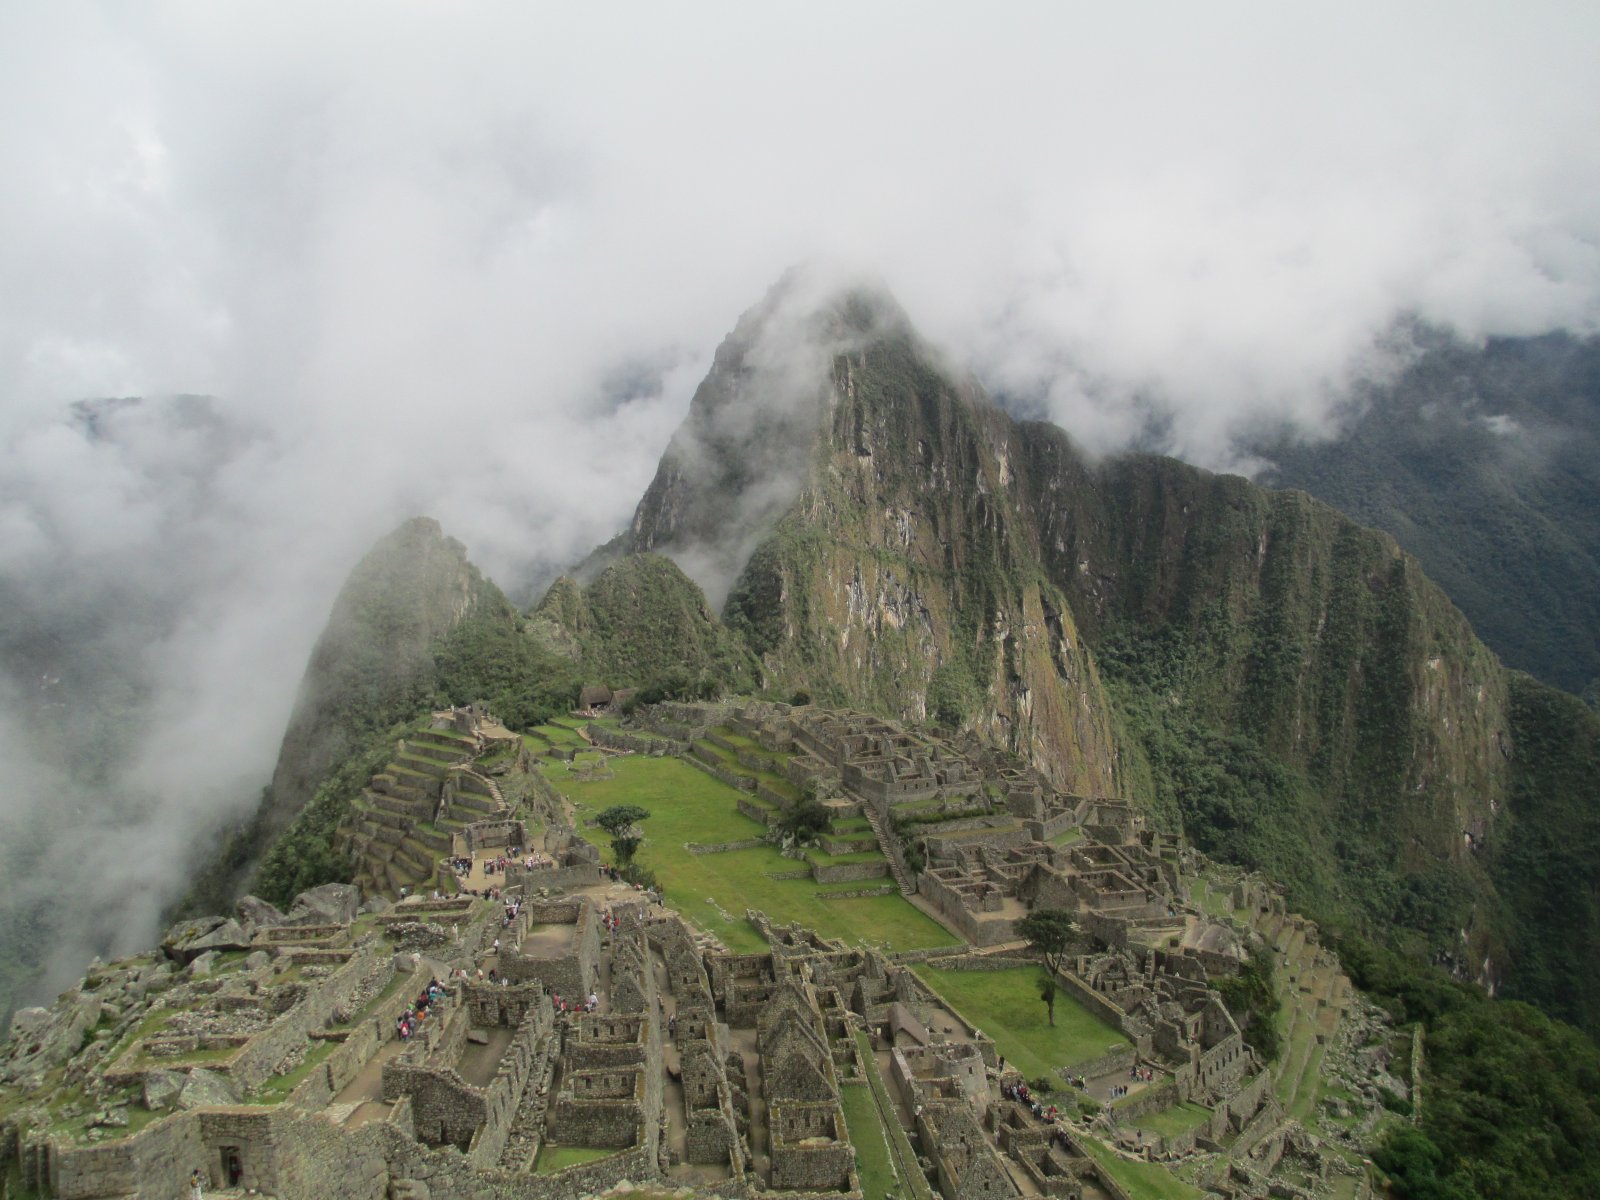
(409, 809)
(437, 841)
(482, 806)
(420, 764)
(389, 785)
(469, 783)
(442, 745)
(886, 844)
(418, 850)
(412, 866)
(424, 782)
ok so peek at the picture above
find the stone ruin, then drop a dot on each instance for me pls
(265, 1049)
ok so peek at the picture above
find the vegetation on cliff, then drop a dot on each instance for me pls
(1484, 462)
(643, 623)
(1510, 1105)
(1546, 857)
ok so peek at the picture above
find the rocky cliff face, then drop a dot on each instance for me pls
(936, 558)
(863, 499)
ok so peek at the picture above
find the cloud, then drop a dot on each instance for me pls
(472, 260)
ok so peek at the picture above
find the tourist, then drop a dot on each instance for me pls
(196, 1191)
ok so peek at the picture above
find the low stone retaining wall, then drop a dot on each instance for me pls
(742, 782)
(1099, 1005)
(850, 872)
(983, 962)
(753, 810)
(776, 799)
(1118, 1060)
(887, 889)
(723, 847)
(617, 739)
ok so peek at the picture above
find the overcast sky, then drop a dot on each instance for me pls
(471, 259)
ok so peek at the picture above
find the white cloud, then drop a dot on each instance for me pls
(416, 245)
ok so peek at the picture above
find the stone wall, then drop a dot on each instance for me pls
(753, 810)
(602, 1108)
(850, 872)
(723, 847)
(522, 1061)
(570, 973)
(617, 739)
(1100, 1006)
(1118, 1061)
(764, 791)
(1240, 1106)
(743, 783)
(809, 1148)
(259, 1059)
(317, 1158)
(445, 1109)
(496, 1004)
(946, 845)
(485, 835)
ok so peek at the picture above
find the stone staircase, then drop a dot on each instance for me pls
(890, 845)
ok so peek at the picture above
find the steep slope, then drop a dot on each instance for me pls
(1365, 727)
(1546, 862)
(415, 621)
(643, 622)
(1289, 684)
(1484, 461)
(899, 575)
(374, 663)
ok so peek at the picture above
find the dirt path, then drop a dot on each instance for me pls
(481, 1063)
(368, 1082)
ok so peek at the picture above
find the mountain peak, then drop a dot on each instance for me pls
(751, 439)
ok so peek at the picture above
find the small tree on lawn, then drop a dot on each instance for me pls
(1052, 934)
(621, 821)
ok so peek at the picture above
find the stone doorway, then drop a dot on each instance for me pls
(232, 1166)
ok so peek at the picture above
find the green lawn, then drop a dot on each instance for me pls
(868, 1137)
(1214, 899)
(1174, 1121)
(558, 1158)
(687, 805)
(1006, 1006)
(559, 735)
(1141, 1180)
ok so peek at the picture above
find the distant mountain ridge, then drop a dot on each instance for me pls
(1484, 462)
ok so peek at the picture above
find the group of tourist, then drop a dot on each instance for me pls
(592, 1004)
(1142, 1074)
(408, 1022)
(1022, 1095)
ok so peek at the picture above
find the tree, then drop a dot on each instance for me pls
(1052, 934)
(621, 821)
(805, 820)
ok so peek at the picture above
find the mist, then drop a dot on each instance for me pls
(471, 260)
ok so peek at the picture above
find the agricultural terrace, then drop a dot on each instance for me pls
(713, 890)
